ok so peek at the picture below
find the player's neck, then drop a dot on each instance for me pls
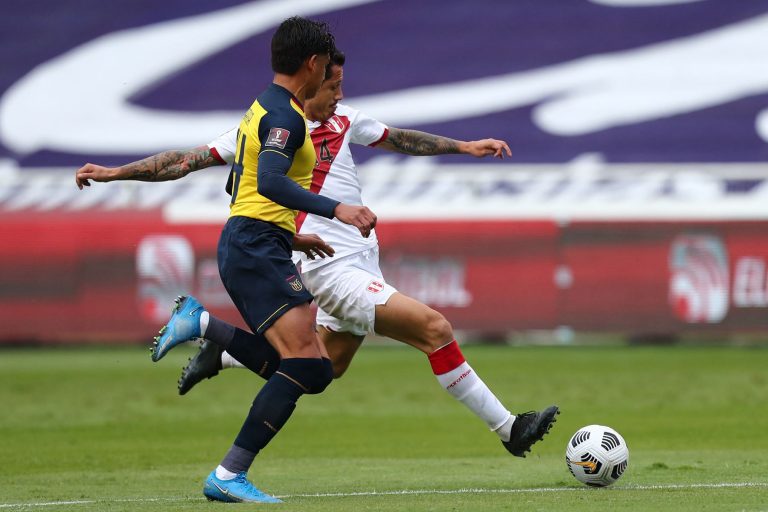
(309, 113)
(294, 84)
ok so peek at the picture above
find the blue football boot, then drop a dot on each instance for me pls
(184, 325)
(237, 490)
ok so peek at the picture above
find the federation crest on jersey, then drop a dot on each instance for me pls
(375, 287)
(334, 124)
(278, 138)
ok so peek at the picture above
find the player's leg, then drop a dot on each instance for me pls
(408, 320)
(251, 350)
(210, 358)
(364, 300)
(190, 320)
(341, 346)
(304, 369)
(256, 269)
(353, 297)
(340, 337)
(223, 345)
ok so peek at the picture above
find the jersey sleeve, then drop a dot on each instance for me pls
(282, 131)
(224, 146)
(367, 131)
(280, 139)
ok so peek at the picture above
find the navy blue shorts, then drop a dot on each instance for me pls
(256, 269)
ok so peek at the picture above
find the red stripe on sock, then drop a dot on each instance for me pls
(446, 358)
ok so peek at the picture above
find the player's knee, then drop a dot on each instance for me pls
(325, 375)
(438, 331)
(317, 375)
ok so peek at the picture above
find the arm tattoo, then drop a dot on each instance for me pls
(169, 165)
(412, 142)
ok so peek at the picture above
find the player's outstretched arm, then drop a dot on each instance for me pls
(416, 143)
(168, 165)
(275, 185)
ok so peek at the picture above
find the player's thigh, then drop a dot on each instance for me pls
(256, 269)
(347, 292)
(341, 347)
(293, 334)
(406, 319)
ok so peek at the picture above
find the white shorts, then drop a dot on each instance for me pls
(347, 292)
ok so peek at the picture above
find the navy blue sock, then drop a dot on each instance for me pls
(277, 399)
(255, 352)
(252, 350)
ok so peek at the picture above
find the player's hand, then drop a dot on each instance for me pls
(487, 147)
(359, 216)
(312, 245)
(92, 172)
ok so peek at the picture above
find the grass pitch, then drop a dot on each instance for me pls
(104, 429)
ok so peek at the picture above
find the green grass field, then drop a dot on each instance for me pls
(104, 429)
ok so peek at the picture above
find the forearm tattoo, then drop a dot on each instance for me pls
(169, 165)
(413, 142)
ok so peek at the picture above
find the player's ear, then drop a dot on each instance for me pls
(312, 62)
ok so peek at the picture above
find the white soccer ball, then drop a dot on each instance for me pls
(597, 455)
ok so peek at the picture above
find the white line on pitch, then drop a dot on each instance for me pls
(531, 490)
(406, 492)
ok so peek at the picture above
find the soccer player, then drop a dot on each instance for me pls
(272, 171)
(353, 297)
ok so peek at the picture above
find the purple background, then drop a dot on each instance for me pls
(399, 43)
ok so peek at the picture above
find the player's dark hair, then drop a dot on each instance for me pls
(296, 40)
(337, 59)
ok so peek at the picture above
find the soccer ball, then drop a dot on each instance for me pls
(597, 455)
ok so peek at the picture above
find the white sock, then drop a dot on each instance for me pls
(204, 317)
(460, 380)
(505, 431)
(227, 361)
(224, 474)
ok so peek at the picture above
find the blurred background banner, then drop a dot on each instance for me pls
(636, 200)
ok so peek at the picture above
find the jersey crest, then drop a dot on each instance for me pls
(336, 125)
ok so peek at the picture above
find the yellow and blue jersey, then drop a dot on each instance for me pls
(273, 163)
